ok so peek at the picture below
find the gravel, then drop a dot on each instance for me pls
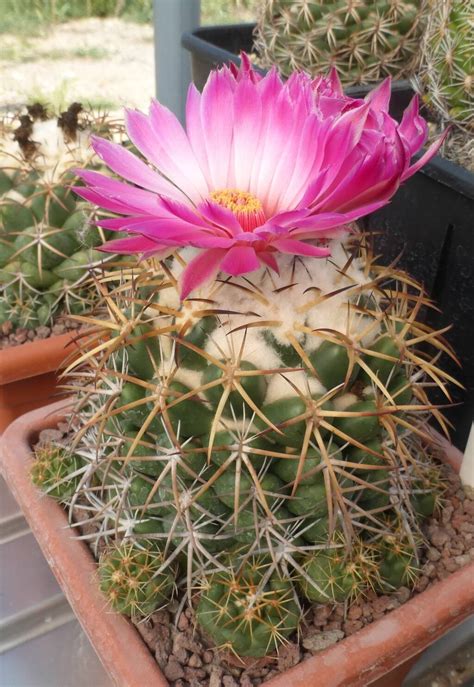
(10, 337)
(188, 659)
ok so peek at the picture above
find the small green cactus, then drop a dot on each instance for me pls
(131, 579)
(249, 611)
(56, 471)
(333, 574)
(448, 61)
(398, 566)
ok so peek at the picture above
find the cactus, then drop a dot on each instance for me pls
(131, 579)
(268, 434)
(47, 243)
(446, 80)
(332, 574)
(56, 471)
(248, 611)
(365, 41)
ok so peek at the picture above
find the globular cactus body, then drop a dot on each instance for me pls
(365, 41)
(446, 80)
(47, 242)
(268, 435)
(248, 611)
(131, 580)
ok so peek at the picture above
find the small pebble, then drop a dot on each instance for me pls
(173, 670)
(229, 681)
(321, 640)
(183, 622)
(289, 655)
(354, 612)
(351, 626)
(194, 661)
(403, 594)
(439, 537)
(433, 554)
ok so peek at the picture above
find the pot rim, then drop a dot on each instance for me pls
(36, 357)
(355, 661)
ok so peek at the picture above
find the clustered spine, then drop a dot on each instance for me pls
(266, 440)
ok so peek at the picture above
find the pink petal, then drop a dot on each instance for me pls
(428, 155)
(133, 245)
(130, 196)
(379, 97)
(201, 269)
(121, 223)
(220, 216)
(92, 196)
(175, 144)
(174, 163)
(240, 260)
(413, 128)
(195, 132)
(269, 259)
(299, 248)
(217, 121)
(247, 128)
(127, 165)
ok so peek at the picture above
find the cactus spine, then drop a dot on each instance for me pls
(365, 41)
(447, 72)
(47, 243)
(268, 435)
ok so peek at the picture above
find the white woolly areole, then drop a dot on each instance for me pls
(55, 155)
(284, 385)
(264, 296)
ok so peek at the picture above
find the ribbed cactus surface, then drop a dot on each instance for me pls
(268, 436)
(448, 60)
(365, 40)
(47, 242)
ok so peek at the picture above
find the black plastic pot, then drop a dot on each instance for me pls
(215, 45)
(429, 224)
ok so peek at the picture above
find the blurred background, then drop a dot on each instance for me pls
(99, 52)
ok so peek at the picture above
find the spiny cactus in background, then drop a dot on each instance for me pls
(366, 40)
(269, 434)
(47, 242)
(446, 80)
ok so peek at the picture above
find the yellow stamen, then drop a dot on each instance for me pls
(237, 201)
(245, 206)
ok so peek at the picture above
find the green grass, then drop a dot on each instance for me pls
(228, 11)
(23, 52)
(35, 17)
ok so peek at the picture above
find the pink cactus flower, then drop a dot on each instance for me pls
(263, 167)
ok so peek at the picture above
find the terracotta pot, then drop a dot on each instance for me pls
(376, 651)
(28, 377)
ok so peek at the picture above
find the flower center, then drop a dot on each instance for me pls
(245, 206)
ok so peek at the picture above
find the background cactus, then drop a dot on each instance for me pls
(268, 435)
(364, 40)
(446, 79)
(47, 243)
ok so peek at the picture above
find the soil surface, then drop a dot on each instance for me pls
(188, 659)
